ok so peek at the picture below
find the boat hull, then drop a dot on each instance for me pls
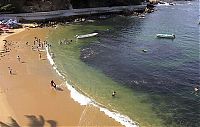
(167, 36)
(86, 35)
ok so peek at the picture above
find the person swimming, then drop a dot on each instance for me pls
(196, 89)
(114, 93)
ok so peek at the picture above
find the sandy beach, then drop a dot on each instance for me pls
(26, 98)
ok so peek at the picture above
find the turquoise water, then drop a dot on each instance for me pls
(153, 88)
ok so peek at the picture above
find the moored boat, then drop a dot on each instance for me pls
(167, 36)
(86, 35)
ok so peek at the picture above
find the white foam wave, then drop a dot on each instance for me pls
(124, 120)
(52, 62)
(80, 98)
(84, 100)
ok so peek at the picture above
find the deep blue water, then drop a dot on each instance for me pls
(170, 68)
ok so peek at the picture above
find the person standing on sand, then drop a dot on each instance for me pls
(10, 70)
(53, 84)
(18, 58)
(42, 46)
(40, 56)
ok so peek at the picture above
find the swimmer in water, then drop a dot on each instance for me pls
(114, 93)
(196, 89)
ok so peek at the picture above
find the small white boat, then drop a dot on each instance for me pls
(86, 35)
(168, 36)
(144, 50)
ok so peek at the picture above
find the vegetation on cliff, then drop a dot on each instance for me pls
(102, 3)
(7, 8)
(15, 6)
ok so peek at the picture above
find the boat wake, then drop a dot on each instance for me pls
(82, 99)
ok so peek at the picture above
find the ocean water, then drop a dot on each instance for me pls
(154, 88)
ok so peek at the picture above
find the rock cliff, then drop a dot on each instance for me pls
(10, 6)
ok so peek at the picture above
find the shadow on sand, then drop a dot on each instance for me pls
(59, 89)
(33, 122)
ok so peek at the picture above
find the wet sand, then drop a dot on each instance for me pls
(26, 98)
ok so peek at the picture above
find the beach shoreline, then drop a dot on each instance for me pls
(27, 96)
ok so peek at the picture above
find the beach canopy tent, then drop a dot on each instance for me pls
(10, 23)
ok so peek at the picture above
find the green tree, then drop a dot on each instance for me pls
(7, 8)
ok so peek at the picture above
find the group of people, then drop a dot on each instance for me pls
(39, 44)
(65, 42)
(6, 49)
(36, 43)
(6, 46)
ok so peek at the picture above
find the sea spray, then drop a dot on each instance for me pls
(84, 100)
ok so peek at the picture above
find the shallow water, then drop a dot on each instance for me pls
(154, 88)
